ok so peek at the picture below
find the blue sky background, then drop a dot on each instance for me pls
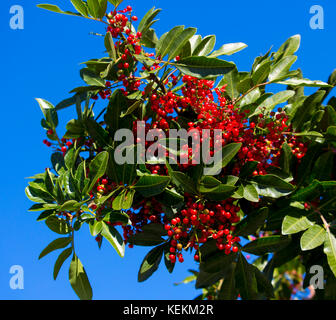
(43, 61)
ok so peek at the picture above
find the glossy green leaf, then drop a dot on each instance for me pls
(252, 222)
(304, 83)
(54, 8)
(245, 279)
(228, 153)
(147, 20)
(260, 74)
(79, 280)
(60, 261)
(205, 46)
(266, 244)
(146, 239)
(280, 70)
(166, 41)
(97, 169)
(251, 193)
(305, 111)
(58, 225)
(114, 238)
(270, 103)
(151, 185)
(330, 251)
(81, 7)
(204, 67)
(295, 223)
(217, 262)
(59, 243)
(178, 43)
(230, 80)
(228, 49)
(150, 263)
(313, 237)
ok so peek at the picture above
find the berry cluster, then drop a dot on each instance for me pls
(205, 107)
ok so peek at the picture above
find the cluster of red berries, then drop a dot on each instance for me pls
(200, 222)
(207, 108)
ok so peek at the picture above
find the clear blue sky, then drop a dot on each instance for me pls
(43, 61)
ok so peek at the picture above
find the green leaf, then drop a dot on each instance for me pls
(250, 193)
(272, 186)
(70, 205)
(114, 238)
(265, 245)
(81, 7)
(219, 193)
(270, 103)
(58, 225)
(169, 265)
(79, 280)
(97, 169)
(60, 260)
(217, 262)
(260, 74)
(294, 82)
(147, 20)
(115, 2)
(132, 108)
(75, 129)
(166, 41)
(245, 279)
(228, 49)
(95, 227)
(54, 8)
(228, 290)
(205, 279)
(305, 111)
(204, 67)
(97, 8)
(178, 43)
(48, 180)
(146, 239)
(281, 69)
(57, 161)
(289, 47)
(251, 97)
(109, 45)
(295, 223)
(150, 263)
(91, 78)
(252, 222)
(330, 251)
(71, 101)
(228, 153)
(313, 237)
(151, 185)
(70, 158)
(49, 112)
(54, 245)
(205, 46)
(149, 38)
(264, 285)
(118, 202)
(231, 80)
(181, 180)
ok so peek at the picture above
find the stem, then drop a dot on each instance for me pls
(250, 90)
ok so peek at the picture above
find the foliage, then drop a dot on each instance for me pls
(275, 189)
